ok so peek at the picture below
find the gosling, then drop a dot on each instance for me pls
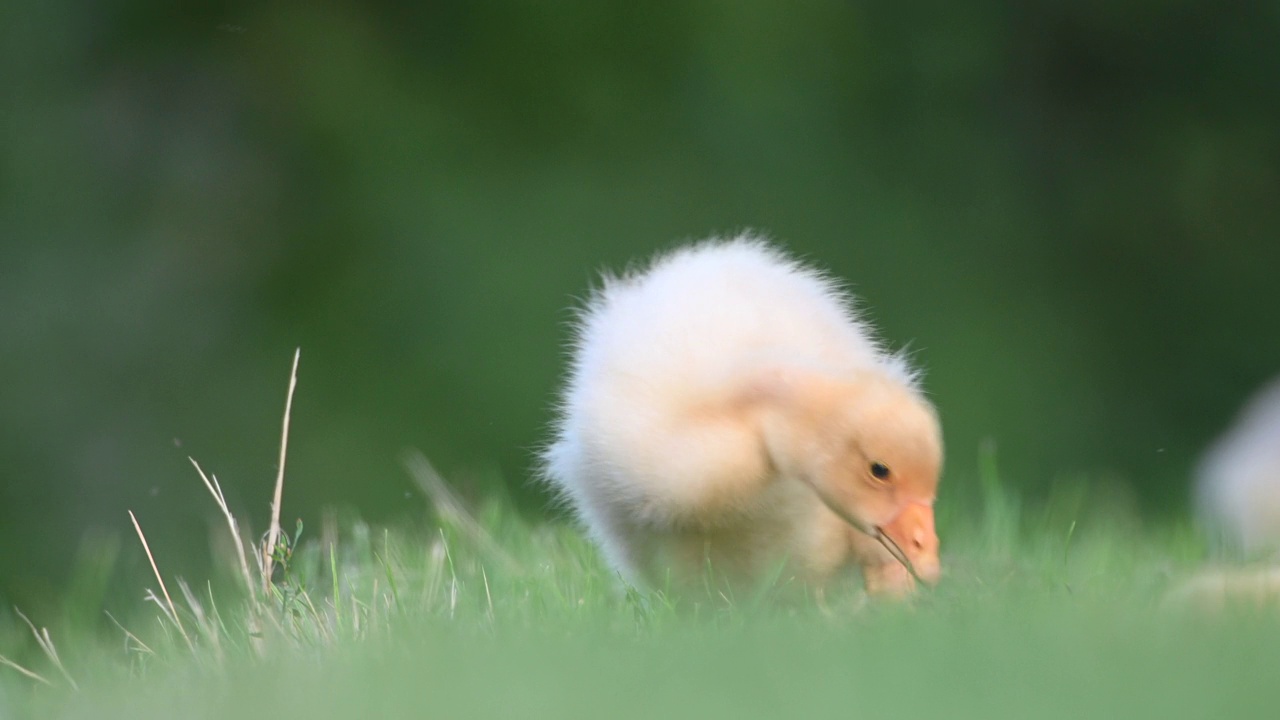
(727, 407)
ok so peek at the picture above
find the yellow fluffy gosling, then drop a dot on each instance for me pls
(727, 406)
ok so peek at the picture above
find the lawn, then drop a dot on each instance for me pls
(1055, 609)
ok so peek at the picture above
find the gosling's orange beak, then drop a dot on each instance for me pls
(913, 531)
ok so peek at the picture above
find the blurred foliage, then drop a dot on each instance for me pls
(1068, 209)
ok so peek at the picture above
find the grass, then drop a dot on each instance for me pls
(1057, 609)
(484, 615)
(528, 623)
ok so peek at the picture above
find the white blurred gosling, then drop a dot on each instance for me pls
(1238, 483)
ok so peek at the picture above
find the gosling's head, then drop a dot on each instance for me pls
(868, 444)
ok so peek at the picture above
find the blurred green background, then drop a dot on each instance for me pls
(1069, 210)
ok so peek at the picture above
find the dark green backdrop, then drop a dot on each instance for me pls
(1069, 209)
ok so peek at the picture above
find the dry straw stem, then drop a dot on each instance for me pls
(876, 533)
(173, 611)
(138, 645)
(211, 482)
(33, 675)
(273, 532)
(46, 644)
(450, 509)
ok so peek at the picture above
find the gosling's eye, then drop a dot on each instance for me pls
(879, 471)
